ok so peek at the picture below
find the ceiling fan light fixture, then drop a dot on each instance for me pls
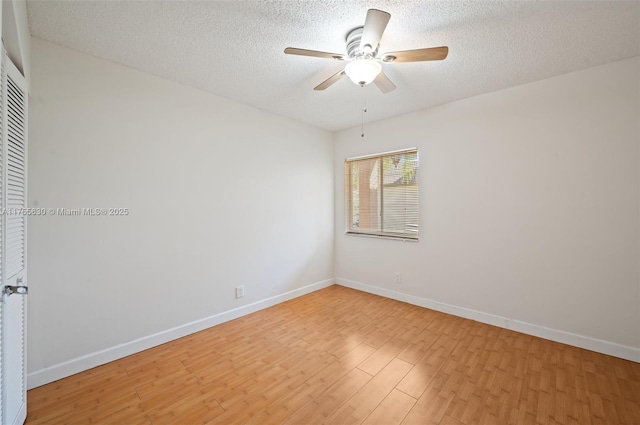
(363, 71)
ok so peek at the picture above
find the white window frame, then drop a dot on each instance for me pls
(408, 235)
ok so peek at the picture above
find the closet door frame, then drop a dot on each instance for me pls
(13, 262)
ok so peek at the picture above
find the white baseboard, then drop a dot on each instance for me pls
(593, 344)
(79, 364)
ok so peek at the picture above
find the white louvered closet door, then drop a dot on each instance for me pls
(13, 300)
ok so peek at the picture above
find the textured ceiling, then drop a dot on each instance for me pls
(234, 49)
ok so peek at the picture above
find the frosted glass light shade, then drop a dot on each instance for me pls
(363, 71)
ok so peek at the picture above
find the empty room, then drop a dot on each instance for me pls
(319, 212)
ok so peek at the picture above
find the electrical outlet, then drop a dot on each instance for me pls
(240, 291)
(398, 277)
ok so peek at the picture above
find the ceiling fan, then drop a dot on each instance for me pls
(362, 52)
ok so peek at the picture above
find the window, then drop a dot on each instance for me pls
(381, 194)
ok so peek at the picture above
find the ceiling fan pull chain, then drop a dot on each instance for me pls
(364, 109)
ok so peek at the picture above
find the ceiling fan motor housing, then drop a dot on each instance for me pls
(353, 45)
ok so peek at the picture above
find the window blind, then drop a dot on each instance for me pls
(381, 194)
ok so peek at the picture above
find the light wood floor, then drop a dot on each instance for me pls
(339, 356)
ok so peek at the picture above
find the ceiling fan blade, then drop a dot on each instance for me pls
(329, 81)
(314, 53)
(384, 83)
(418, 55)
(374, 26)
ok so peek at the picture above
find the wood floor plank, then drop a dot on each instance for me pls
(382, 357)
(323, 405)
(365, 401)
(392, 410)
(429, 409)
(339, 356)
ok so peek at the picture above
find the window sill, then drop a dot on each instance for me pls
(395, 238)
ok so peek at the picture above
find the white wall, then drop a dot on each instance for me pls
(529, 208)
(219, 194)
